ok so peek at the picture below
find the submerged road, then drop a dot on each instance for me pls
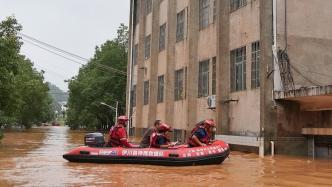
(34, 158)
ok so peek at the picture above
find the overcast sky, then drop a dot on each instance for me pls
(76, 26)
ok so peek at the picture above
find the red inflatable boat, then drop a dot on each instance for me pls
(181, 155)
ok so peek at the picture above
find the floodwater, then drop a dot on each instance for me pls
(34, 158)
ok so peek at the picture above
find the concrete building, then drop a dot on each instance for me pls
(260, 68)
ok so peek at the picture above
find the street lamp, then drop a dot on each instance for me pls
(113, 108)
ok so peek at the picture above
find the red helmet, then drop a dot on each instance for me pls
(209, 123)
(163, 127)
(122, 118)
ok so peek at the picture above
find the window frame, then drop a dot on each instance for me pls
(146, 92)
(255, 65)
(204, 14)
(162, 37)
(238, 69)
(214, 11)
(237, 4)
(160, 91)
(135, 54)
(148, 7)
(178, 85)
(133, 96)
(147, 47)
(180, 21)
(203, 78)
(214, 76)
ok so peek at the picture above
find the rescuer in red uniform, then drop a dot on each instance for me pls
(201, 134)
(118, 135)
(160, 139)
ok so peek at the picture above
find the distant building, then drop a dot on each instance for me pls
(260, 68)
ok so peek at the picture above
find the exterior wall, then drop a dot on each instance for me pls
(309, 42)
(198, 45)
(245, 29)
(244, 114)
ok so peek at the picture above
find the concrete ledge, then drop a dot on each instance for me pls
(240, 140)
(304, 92)
(317, 131)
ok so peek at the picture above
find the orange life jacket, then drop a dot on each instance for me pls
(154, 138)
(205, 139)
(114, 139)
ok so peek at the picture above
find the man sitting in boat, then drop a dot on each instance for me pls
(160, 139)
(147, 135)
(201, 134)
(118, 134)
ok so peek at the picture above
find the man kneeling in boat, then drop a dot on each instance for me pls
(201, 134)
(160, 139)
(118, 134)
(147, 135)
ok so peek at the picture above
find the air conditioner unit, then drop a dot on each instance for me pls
(211, 101)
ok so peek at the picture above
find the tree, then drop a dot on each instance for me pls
(9, 50)
(34, 104)
(95, 84)
(24, 98)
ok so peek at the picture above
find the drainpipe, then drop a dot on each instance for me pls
(132, 7)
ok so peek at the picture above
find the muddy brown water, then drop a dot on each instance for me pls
(34, 158)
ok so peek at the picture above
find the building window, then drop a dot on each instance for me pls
(255, 52)
(238, 69)
(178, 84)
(204, 7)
(180, 26)
(214, 10)
(136, 11)
(133, 96)
(135, 52)
(160, 95)
(214, 75)
(148, 7)
(236, 4)
(146, 92)
(203, 79)
(147, 47)
(162, 37)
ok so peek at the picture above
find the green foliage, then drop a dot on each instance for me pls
(9, 49)
(94, 85)
(24, 98)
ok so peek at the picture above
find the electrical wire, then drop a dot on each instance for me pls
(53, 47)
(61, 53)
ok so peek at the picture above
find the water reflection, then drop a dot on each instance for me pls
(34, 158)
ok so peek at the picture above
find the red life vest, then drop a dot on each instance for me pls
(114, 138)
(204, 140)
(154, 137)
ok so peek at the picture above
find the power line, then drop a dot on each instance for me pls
(53, 47)
(52, 52)
(101, 66)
